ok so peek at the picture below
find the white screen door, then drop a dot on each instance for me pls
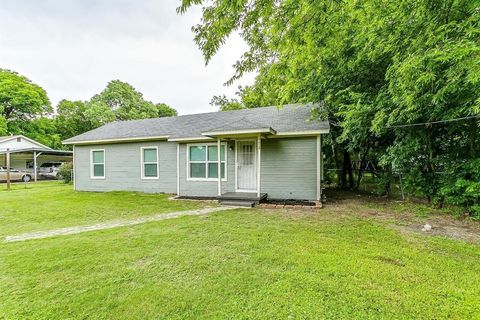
(246, 166)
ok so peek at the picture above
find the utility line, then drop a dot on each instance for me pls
(418, 124)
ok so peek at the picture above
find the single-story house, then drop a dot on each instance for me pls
(269, 151)
(26, 154)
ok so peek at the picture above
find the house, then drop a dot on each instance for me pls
(263, 151)
(26, 154)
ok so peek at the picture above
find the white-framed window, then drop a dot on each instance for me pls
(97, 163)
(202, 164)
(149, 157)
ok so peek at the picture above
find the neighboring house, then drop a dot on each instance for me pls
(26, 153)
(270, 150)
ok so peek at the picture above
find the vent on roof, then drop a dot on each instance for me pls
(19, 139)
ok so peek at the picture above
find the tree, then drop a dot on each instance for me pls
(72, 118)
(124, 101)
(164, 110)
(20, 100)
(375, 66)
(225, 104)
(117, 102)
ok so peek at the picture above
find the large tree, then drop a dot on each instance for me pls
(375, 66)
(117, 102)
(21, 101)
(126, 103)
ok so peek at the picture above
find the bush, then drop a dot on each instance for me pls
(65, 172)
(461, 185)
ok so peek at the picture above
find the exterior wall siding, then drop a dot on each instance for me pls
(123, 168)
(289, 168)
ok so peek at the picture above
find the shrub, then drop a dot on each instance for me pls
(461, 185)
(65, 172)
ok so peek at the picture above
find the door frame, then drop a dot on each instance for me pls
(236, 165)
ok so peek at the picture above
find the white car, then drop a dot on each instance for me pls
(49, 169)
(15, 175)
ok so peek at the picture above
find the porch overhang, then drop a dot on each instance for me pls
(240, 133)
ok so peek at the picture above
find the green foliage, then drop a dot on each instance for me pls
(164, 110)
(3, 126)
(72, 118)
(65, 172)
(461, 185)
(118, 101)
(373, 65)
(25, 109)
(20, 99)
(225, 104)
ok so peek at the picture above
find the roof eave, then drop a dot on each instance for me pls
(39, 150)
(304, 133)
(115, 140)
(241, 132)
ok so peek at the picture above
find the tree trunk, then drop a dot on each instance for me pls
(347, 170)
(361, 167)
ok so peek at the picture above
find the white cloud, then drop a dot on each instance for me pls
(73, 48)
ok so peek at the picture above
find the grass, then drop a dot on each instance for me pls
(50, 205)
(234, 264)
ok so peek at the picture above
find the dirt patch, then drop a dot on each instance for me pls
(405, 217)
(468, 231)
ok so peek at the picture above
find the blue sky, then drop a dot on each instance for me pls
(72, 48)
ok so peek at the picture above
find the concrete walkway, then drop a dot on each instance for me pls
(111, 224)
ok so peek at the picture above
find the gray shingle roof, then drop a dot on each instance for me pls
(288, 118)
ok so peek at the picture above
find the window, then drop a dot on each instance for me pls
(203, 162)
(98, 164)
(149, 162)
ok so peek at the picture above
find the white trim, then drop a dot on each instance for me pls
(116, 140)
(206, 162)
(243, 131)
(319, 152)
(142, 163)
(219, 165)
(236, 166)
(26, 138)
(193, 139)
(301, 133)
(178, 169)
(73, 171)
(259, 163)
(91, 165)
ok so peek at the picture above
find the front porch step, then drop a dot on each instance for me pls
(242, 196)
(238, 203)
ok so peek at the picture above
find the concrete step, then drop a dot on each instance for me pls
(246, 204)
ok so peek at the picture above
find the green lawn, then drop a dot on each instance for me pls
(50, 205)
(240, 264)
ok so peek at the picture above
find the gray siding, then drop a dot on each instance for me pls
(206, 188)
(123, 168)
(289, 168)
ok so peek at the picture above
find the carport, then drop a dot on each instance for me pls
(20, 157)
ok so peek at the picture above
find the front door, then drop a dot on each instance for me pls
(246, 166)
